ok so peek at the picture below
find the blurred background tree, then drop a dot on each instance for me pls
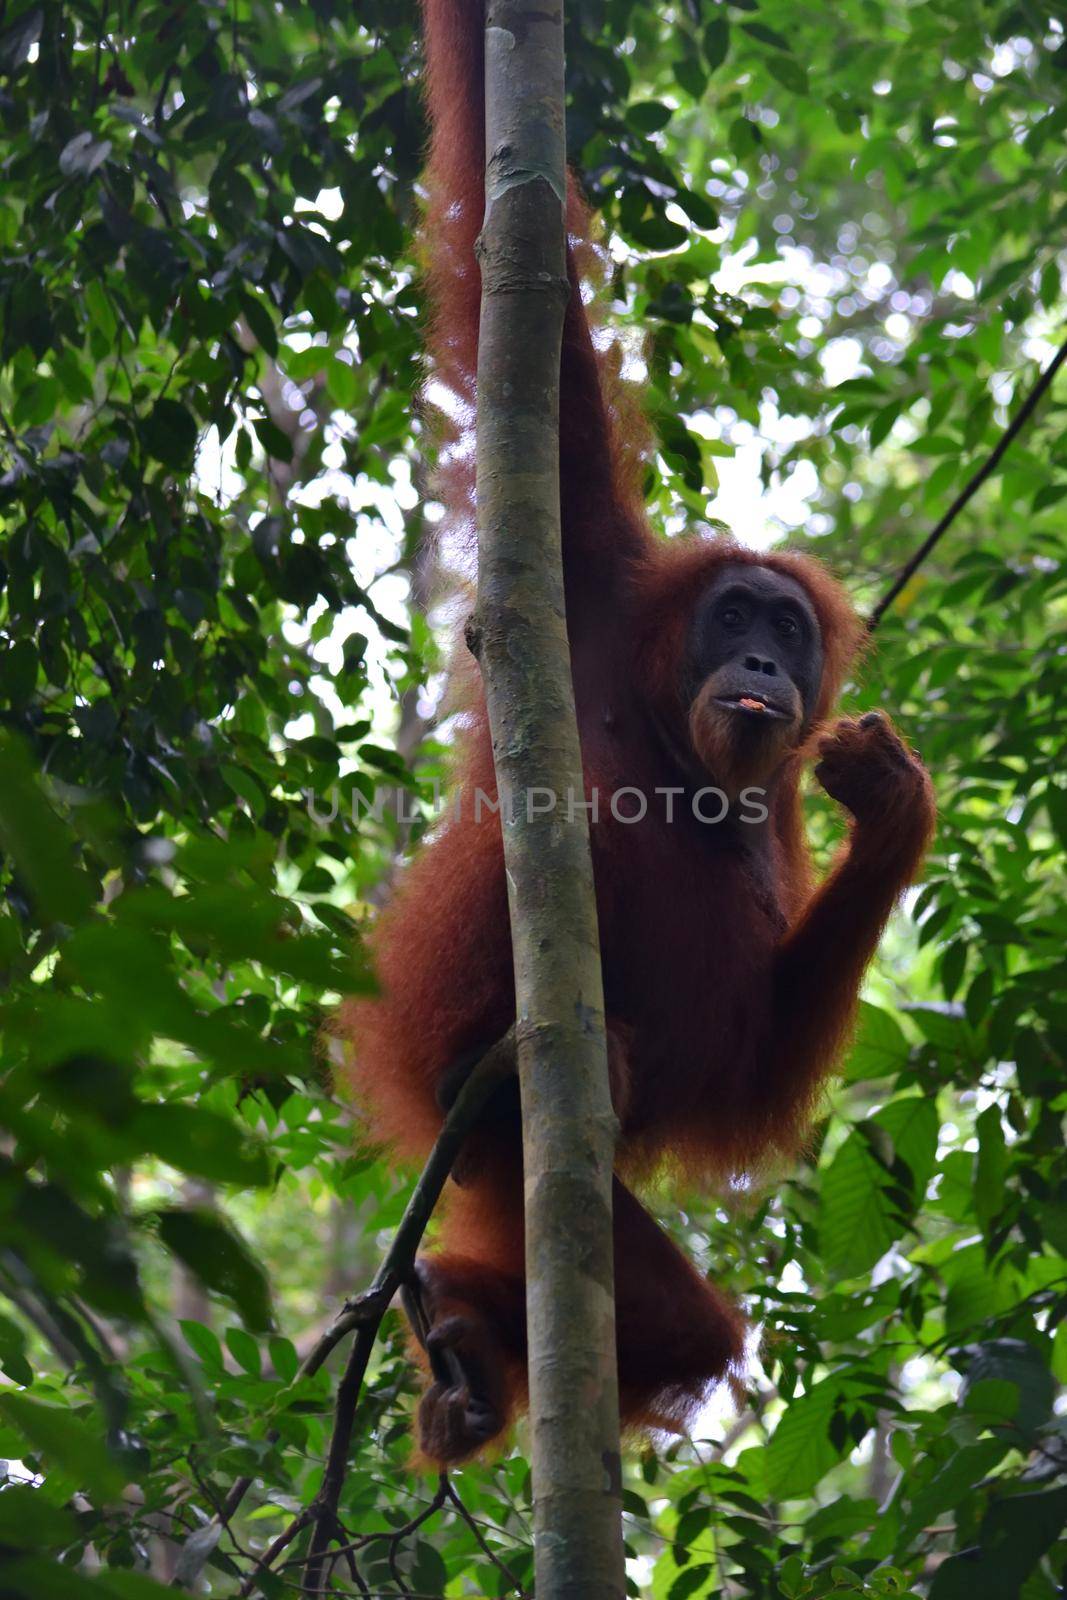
(838, 237)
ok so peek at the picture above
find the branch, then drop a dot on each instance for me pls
(363, 1315)
(971, 488)
(393, 1538)
(396, 1269)
(483, 1544)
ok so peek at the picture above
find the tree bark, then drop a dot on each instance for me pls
(520, 638)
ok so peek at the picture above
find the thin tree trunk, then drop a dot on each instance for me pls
(519, 635)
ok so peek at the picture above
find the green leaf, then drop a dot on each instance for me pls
(28, 1521)
(691, 1581)
(245, 787)
(66, 1443)
(219, 1258)
(429, 1575)
(196, 1140)
(1019, 1368)
(657, 232)
(169, 434)
(204, 1343)
(979, 995)
(343, 382)
(13, 1353)
(800, 1451)
(277, 444)
(134, 1586)
(884, 420)
(261, 323)
(36, 1578)
(880, 1048)
(743, 137)
(789, 72)
(858, 1218)
(912, 1124)
(1050, 495)
(690, 75)
(974, 1293)
(952, 964)
(648, 116)
(765, 35)
(842, 1517)
(244, 1350)
(40, 846)
(20, 672)
(947, 1488)
(1015, 1533)
(991, 1166)
(698, 209)
(284, 1358)
(716, 42)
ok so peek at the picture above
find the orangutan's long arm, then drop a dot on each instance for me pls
(820, 964)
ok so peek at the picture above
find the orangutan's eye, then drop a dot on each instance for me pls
(786, 626)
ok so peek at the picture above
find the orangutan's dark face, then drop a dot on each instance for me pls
(754, 666)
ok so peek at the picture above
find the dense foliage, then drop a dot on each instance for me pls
(842, 229)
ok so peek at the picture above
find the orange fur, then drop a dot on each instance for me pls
(729, 985)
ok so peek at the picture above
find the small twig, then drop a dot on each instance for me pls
(500, 1492)
(972, 486)
(324, 1509)
(483, 1543)
(181, 1576)
(395, 1270)
(355, 1574)
(161, 98)
(274, 1550)
(387, 1535)
(394, 1571)
(363, 1315)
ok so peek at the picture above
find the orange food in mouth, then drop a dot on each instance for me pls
(750, 704)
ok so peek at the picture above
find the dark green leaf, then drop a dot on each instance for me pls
(213, 1253)
(169, 434)
(66, 1443)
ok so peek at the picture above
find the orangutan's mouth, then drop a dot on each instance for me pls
(753, 705)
